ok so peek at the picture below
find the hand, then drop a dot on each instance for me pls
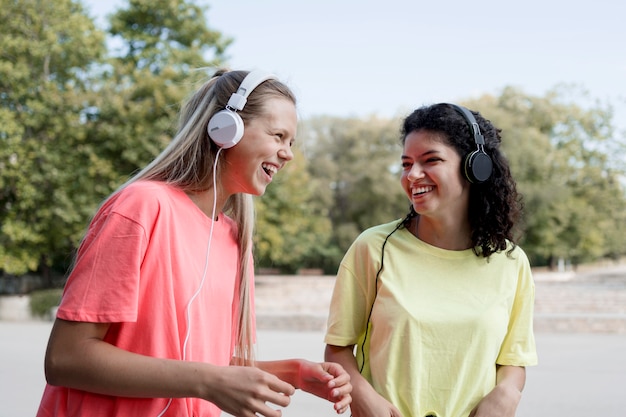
(245, 391)
(369, 403)
(382, 409)
(502, 401)
(326, 380)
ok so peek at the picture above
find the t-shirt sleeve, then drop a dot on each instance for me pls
(518, 348)
(352, 298)
(104, 284)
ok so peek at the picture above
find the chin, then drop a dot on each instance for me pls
(258, 192)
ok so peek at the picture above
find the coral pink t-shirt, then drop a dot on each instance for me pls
(141, 262)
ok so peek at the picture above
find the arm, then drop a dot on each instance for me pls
(503, 400)
(325, 380)
(366, 401)
(77, 357)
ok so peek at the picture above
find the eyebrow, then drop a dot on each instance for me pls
(430, 152)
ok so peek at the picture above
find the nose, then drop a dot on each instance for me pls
(416, 172)
(285, 152)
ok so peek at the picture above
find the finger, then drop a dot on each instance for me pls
(279, 386)
(334, 369)
(336, 394)
(319, 372)
(267, 411)
(265, 408)
(279, 399)
(280, 392)
(339, 381)
(343, 403)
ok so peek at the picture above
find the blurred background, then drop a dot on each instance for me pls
(90, 91)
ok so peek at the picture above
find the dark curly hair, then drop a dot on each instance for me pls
(494, 205)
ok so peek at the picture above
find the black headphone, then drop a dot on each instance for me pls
(477, 165)
(226, 127)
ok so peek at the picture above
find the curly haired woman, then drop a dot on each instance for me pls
(439, 305)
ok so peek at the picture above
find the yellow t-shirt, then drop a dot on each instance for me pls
(441, 322)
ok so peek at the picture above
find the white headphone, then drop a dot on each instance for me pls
(226, 126)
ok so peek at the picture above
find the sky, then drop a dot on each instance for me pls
(362, 57)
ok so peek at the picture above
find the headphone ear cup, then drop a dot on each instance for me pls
(477, 167)
(225, 128)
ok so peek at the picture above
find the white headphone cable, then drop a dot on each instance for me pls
(206, 267)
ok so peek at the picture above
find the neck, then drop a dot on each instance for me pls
(204, 201)
(442, 233)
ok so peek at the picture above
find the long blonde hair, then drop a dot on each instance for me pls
(187, 163)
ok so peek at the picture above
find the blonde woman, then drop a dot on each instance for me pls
(157, 314)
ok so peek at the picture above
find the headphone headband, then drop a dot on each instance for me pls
(477, 165)
(226, 127)
(239, 98)
(479, 139)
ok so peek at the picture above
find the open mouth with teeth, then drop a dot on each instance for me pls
(270, 170)
(421, 190)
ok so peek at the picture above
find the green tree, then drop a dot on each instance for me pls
(78, 123)
(293, 227)
(358, 165)
(562, 156)
(163, 49)
(46, 49)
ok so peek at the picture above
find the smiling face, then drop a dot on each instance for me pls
(263, 150)
(431, 176)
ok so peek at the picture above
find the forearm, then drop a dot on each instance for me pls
(367, 402)
(512, 376)
(344, 356)
(105, 369)
(505, 396)
(78, 357)
(90, 364)
(287, 370)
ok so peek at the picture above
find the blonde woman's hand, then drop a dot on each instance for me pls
(245, 391)
(326, 380)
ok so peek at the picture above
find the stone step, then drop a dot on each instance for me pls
(587, 301)
(591, 300)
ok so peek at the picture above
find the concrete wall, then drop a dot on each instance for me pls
(15, 308)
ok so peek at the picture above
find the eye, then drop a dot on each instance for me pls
(406, 165)
(281, 137)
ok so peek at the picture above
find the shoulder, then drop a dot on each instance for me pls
(146, 193)
(375, 235)
(516, 252)
(380, 230)
(514, 260)
(143, 199)
(149, 190)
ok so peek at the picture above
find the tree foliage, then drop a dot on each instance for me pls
(572, 182)
(357, 162)
(293, 227)
(78, 116)
(46, 48)
(161, 53)
(77, 122)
